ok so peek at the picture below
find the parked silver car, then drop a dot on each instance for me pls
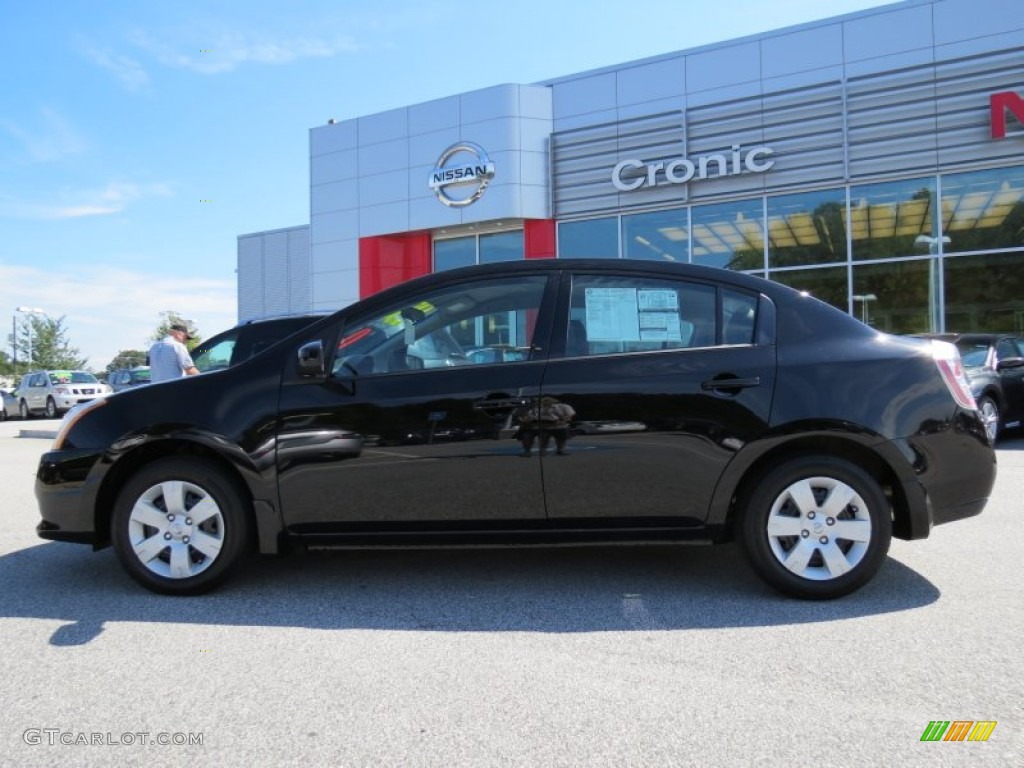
(8, 405)
(53, 393)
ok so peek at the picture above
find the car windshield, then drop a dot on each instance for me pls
(72, 377)
(972, 353)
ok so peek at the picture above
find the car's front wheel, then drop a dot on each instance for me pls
(51, 408)
(990, 417)
(816, 527)
(180, 526)
(23, 409)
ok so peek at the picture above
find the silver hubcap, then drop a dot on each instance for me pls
(176, 529)
(819, 528)
(990, 417)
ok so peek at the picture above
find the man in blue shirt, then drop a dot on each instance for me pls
(169, 358)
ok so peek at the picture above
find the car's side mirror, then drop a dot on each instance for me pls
(1010, 362)
(310, 360)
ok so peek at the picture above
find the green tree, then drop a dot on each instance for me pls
(43, 344)
(127, 358)
(170, 317)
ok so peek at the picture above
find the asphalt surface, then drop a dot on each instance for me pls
(638, 656)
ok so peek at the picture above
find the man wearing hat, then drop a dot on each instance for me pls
(169, 358)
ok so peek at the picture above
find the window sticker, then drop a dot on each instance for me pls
(632, 314)
(612, 314)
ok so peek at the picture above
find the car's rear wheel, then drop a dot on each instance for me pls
(51, 408)
(989, 416)
(816, 527)
(180, 526)
(23, 409)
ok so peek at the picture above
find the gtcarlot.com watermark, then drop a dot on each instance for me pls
(58, 736)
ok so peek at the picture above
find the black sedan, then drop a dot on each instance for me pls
(760, 415)
(994, 364)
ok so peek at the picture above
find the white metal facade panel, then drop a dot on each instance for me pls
(396, 151)
(651, 82)
(888, 32)
(802, 51)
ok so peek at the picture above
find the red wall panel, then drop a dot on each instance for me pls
(388, 260)
(539, 238)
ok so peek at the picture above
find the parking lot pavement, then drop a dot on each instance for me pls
(643, 656)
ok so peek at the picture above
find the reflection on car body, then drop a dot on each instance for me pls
(608, 427)
(701, 405)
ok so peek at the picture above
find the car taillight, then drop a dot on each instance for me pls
(947, 358)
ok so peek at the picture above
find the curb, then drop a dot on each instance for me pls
(45, 434)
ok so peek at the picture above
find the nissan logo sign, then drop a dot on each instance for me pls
(474, 173)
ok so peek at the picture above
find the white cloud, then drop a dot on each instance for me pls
(126, 69)
(50, 139)
(228, 51)
(107, 310)
(112, 198)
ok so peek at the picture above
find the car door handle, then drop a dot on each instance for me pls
(730, 384)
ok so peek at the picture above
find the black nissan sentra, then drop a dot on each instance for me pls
(644, 401)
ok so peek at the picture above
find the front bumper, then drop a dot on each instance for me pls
(67, 483)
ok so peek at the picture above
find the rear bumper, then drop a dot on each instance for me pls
(954, 472)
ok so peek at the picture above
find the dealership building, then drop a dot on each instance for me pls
(874, 159)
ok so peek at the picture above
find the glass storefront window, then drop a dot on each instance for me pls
(985, 292)
(894, 218)
(590, 239)
(501, 246)
(807, 228)
(983, 209)
(825, 283)
(658, 236)
(478, 249)
(729, 235)
(897, 297)
(456, 252)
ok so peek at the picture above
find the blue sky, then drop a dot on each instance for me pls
(139, 139)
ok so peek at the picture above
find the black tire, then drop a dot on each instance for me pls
(23, 410)
(203, 552)
(989, 411)
(835, 497)
(51, 409)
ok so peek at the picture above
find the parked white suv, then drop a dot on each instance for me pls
(53, 393)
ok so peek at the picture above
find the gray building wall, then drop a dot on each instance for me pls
(274, 273)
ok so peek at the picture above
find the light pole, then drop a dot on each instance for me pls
(864, 299)
(30, 311)
(935, 301)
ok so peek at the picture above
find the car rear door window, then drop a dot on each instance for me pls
(623, 314)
